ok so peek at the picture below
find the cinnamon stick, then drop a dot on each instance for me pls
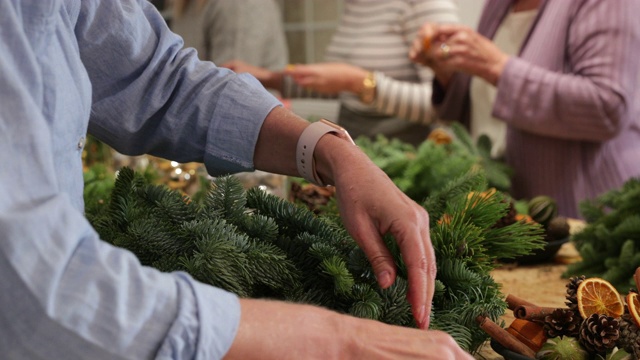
(532, 313)
(636, 277)
(503, 337)
(514, 301)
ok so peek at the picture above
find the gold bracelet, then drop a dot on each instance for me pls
(368, 93)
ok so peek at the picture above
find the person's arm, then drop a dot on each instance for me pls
(366, 217)
(170, 91)
(151, 96)
(407, 100)
(272, 330)
(169, 97)
(64, 293)
(182, 106)
(449, 95)
(589, 101)
(592, 101)
(397, 98)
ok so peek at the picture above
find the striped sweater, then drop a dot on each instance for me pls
(376, 35)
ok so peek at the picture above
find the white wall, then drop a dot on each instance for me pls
(470, 11)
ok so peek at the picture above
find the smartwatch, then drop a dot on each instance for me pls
(307, 144)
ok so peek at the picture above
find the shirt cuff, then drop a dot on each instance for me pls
(219, 312)
(235, 126)
(208, 322)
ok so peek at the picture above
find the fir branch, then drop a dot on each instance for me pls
(226, 198)
(293, 220)
(436, 203)
(166, 205)
(259, 227)
(336, 268)
(359, 265)
(396, 309)
(618, 269)
(270, 266)
(220, 263)
(367, 303)
(460, 333)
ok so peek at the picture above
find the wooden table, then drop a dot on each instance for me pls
(542, 284)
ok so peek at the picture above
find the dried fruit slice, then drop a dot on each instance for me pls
(598, 296)
(634, 307)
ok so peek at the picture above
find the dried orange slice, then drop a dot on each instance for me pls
(598, 296)
(634, 307)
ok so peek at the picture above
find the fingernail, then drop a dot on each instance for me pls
(384, 278)
(422, 315)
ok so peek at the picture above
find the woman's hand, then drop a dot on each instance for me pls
(328, 78)
(460, 48)
(425, 51)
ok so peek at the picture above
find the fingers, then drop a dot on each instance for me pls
(422, 43)
(420, 260)
(444, 31)
(378, 254)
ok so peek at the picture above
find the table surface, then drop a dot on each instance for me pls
(540, 284)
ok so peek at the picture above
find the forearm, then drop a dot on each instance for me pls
(279, 330)
(404, 100)
(276, 148)
(559, 105)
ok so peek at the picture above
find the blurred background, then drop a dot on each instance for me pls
(309, 26)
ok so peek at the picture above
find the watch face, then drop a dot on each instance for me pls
(332, 124)
(340, 131)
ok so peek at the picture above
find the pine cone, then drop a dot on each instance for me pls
(629, 339)
(572, 292)
(509, 218)
(599, 333)
(562, 322)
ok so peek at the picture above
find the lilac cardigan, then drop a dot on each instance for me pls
(571, 99)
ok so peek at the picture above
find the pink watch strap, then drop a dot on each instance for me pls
(307, 145)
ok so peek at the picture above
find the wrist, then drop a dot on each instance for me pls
(312, 161)
(330, 154)
(495, 70)
(367, 88)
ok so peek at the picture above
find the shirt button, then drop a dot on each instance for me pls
(81, 142)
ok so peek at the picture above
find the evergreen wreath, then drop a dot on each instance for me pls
(258, 245)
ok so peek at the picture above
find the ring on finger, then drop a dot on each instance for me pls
(445, 49)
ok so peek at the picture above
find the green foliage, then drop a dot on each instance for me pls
(609, 245)
(98, 184)
(497, 172)
(422, 170)
(261, 246)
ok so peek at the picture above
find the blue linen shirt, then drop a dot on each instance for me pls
(113, 68)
